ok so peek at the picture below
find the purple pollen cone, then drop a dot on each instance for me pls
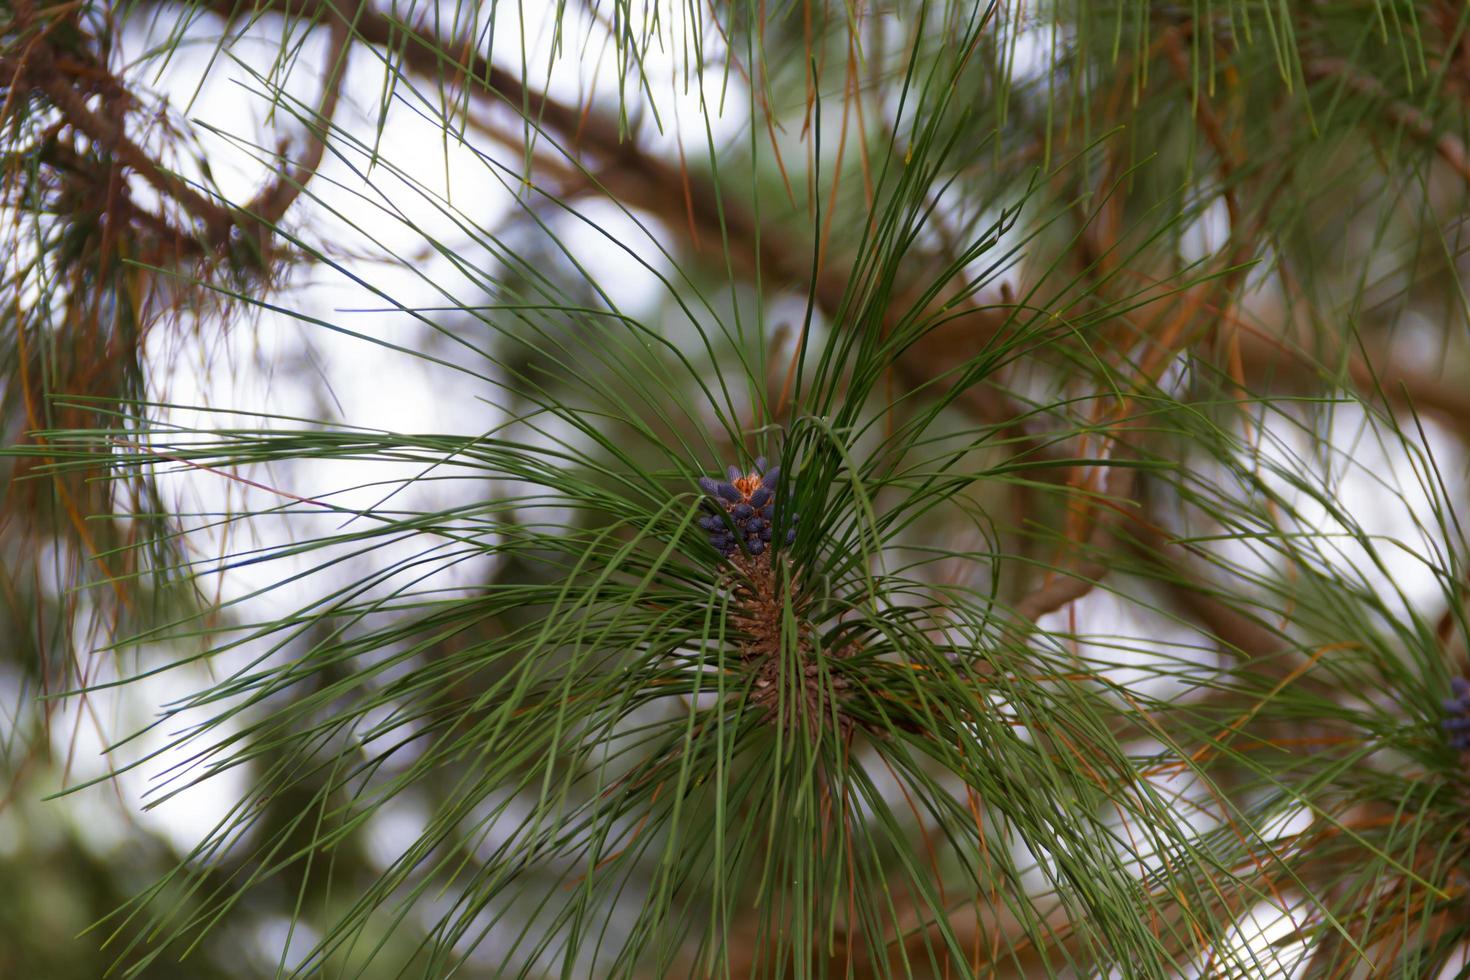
(1456, 724)
(745, 510)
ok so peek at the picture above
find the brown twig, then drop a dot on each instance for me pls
(644, 181)
(1447, 145)
(271, 204)
(66, 80)
(1172, 337)
(1273, 358)
(109, 133)
(1082, 578)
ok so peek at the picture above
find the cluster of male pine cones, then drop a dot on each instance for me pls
(1457, 724)
(742, 510)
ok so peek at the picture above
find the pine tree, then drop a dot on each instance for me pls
(758, 489)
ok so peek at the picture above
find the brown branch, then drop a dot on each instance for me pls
(640, 180)
(1257, 354)
(644, 181)
(1449, 147)
(1271, 357)
(1172, 337)
(60, 156)
(108, 132)
(66, 81)
(680, 198)
(1081, 579)
(271, 204)
(1236, 631)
